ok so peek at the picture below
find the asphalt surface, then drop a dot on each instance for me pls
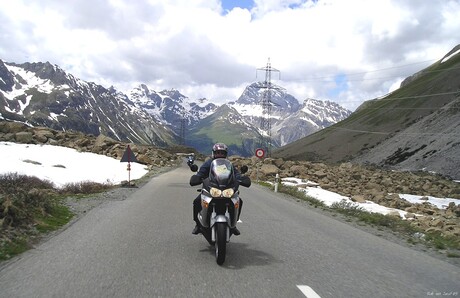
(143, 247)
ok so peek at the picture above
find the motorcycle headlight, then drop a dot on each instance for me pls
(228, 193)
(215, 192)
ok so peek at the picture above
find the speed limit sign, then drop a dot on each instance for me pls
(260, 153)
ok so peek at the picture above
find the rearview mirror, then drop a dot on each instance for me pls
(194, 168)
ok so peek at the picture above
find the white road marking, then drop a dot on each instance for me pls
(308, 292)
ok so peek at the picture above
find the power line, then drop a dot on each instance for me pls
(393, 67)
(382, 98)
(390, 77)
(332, 76)
(399, 133)
(418, 96)
(453, 106)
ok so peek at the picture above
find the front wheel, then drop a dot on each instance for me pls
(221, 242)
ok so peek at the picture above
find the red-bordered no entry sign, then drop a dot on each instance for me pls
(260, 153)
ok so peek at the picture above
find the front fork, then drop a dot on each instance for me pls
(221, 218)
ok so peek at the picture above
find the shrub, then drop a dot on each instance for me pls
(29, 205)
(348, 208)
(14, 182)
(295, 192)
(85, 187)
(23, 196)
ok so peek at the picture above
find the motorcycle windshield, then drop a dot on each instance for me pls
(221, 173)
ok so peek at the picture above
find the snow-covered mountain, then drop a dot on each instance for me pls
(170, 107)
(41, 94)
(312, 116)
(289, 119)
(238, 123)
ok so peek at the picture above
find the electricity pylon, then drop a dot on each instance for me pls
(183, 124)
(265, 124)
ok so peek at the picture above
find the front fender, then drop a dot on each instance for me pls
(219, 218)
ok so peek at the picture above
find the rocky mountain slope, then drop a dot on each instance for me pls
(203, 123)
(414, 128)
(41, 94)
(171, 108)
(239, 124)
(104, 145)
(228, 126)
(289, 119)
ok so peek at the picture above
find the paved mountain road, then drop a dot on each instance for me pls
(143, 247)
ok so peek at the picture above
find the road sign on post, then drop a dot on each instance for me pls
(260, 153)
(128, 157)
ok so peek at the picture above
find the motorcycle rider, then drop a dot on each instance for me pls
(191, 159)
(219, 150)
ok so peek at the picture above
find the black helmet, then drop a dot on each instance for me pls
(219, 150)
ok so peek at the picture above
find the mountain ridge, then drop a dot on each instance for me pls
(42, 94)
(45, 95)
(413, 128)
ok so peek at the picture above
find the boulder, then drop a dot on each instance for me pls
(24, 137)
(269, 170)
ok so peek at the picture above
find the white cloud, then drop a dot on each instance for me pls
(202, 50)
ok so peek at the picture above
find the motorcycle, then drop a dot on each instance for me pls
(220, 202)
(191, 162)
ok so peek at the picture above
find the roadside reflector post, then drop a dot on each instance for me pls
(277, 181)
(129, 173)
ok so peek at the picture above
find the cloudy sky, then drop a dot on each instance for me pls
(344, 51)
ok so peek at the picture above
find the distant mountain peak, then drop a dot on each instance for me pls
(259, 94)
(42, 94)
(173, 93)
(62, 101)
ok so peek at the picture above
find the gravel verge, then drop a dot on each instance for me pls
(383, 232)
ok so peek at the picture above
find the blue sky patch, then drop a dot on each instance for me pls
(230, 4)
(299, 4)
(341, 84)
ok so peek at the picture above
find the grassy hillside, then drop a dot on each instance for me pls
(380, 119)
(225, 126)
